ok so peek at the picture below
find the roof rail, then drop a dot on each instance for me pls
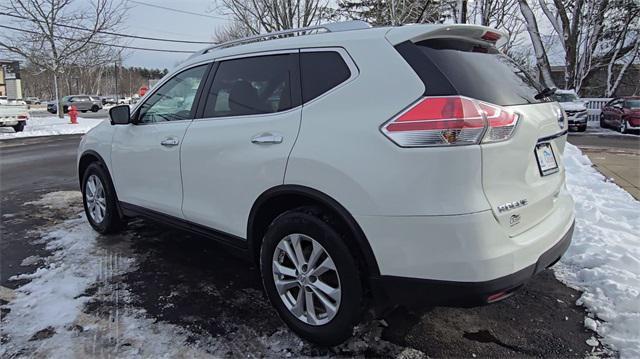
(323, 28)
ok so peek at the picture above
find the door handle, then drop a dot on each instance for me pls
(170, 142)
(266, 138)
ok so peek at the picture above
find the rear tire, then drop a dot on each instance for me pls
(19, 127)
(83, 111)
(100, 201)
(321, 323)
(602, 124)
(582, 128)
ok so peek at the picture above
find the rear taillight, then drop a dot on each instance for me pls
(450, 120)
(23, 117)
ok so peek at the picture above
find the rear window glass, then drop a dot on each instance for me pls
(473, 70)
(251, 86)
(321, 71)
(632, 103)
(565, 97)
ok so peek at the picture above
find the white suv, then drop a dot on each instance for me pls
(360, 167)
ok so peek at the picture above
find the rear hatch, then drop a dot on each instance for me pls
(522, 175)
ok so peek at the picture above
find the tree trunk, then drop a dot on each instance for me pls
(463, 11)
(57, 94)
(542, 61)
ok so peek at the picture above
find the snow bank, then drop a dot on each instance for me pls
(604, 258)
(50, 126)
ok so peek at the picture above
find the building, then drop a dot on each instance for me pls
(10, 82)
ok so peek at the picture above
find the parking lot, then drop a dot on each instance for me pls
(163, 279)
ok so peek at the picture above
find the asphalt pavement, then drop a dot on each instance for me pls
(200, 283)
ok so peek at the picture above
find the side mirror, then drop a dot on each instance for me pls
(120, 115)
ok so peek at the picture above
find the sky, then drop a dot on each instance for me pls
(143, 20)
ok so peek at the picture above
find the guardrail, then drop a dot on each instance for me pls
(594, 106)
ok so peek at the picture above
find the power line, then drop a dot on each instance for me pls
(109, 32)
(176, 10)
(100, 43)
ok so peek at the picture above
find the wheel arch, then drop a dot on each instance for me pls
(276, 200)
(86, 159)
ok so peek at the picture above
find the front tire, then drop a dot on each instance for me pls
(310, 277)
(602, 124)
(94, 108)
(624, 127)
(19, 127)
(100, 202)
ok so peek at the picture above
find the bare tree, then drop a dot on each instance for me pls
(398, 12)
(252, 17)
(593, 34)
(542, 60)
(45, 39)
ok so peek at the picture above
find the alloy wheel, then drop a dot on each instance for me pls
(306, 279)
(96, 199)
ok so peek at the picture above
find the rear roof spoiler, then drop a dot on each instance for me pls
(419, 32)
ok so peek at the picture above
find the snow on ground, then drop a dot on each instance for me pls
(595, 129)
(50, 307)
(604, 259)
(48, 317)
(50, 126)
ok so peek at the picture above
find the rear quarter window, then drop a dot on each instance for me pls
(321, 71)
(467, 68)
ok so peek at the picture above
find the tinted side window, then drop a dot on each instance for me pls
(252, 86)
(174, 100)
(320, 72)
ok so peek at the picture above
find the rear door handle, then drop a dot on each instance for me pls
(170, 142)
(266, 138)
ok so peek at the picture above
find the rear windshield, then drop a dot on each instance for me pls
(565, 97)
(471, 69)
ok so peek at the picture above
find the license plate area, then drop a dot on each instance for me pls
(546, 158)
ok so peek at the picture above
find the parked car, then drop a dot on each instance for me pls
(4, 100)
(575, 109)
(109, 100)
(83, 103)
(413, 165)
(14, 115)
(32, 101)
(97, 101)
(622, 114)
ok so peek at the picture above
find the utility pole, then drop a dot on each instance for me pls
(115, 72)
(463, 11)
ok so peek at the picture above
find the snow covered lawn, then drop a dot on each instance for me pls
(49, 126)
(604, 258)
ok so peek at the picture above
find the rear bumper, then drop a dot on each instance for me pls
(390, 291)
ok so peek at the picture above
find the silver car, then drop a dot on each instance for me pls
(82, 103)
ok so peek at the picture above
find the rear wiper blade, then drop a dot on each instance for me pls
(548, 91)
